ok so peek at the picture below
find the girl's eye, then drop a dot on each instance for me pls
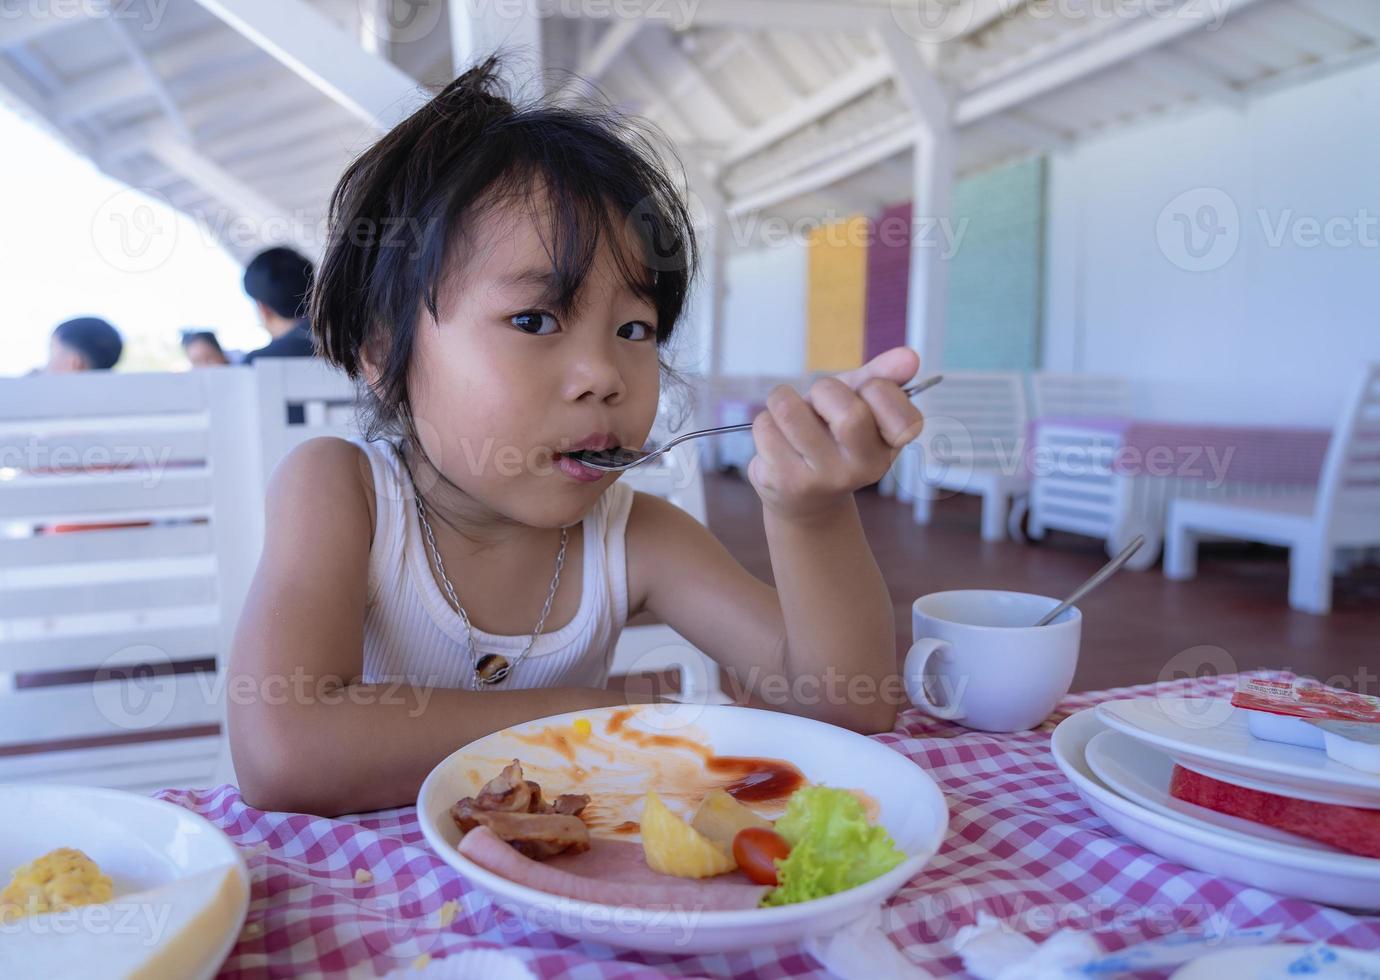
(534, 323)
(638, 330)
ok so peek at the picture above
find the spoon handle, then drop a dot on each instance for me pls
(912, 391)
(1100, 576)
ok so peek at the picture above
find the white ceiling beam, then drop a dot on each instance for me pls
(478, 28)
(610, 45)
(988, 102)
(1170, 64)
(598, 56)
(731, 121)
(1361, 16)
(833, 96)
(867, 153)
(666, 95)
(37, 108)
(760, 47)
(1135, 39)
(822, 15)
(95, 92)
(921, 90)
(219, 183)
(1029, 133)
(139, 57)
(633, 65)
(299, 37)
(16, 31)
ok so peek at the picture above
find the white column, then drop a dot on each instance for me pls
(479, 28)
(932, 200)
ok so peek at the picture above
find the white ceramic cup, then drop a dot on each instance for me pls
(978, 659)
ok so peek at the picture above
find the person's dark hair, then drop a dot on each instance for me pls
(94, 339)
(190, 337)
(280, 278)
(467, 150)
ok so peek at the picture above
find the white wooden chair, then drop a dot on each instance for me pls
(300, 398)
(1078, 491)
(106, 632)
(676, 475)
(973, 442)
(1056, 395)
(1344, 513)
(655, 648)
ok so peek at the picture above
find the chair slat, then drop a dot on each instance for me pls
(142, 448)
(97, 394)
(114, 707)
(78, 599)
(66, 652)
(113, 545)
(63, 499)
(138, 767)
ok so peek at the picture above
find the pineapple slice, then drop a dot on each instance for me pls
(672, 847)
(720, 817)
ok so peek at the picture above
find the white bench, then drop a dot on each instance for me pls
(973, 443)
(1344, 513)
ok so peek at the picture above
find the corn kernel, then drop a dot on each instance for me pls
(583, 727)
(449, 910)
(363, 876)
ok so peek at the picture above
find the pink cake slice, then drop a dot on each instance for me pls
(1347, 828)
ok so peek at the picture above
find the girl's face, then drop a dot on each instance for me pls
(503, 383)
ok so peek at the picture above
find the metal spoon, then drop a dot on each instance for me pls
(1100, 576)
(614, 460)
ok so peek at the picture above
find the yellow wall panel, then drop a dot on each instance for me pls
(835, 304)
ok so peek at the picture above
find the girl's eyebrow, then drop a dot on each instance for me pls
(546, 280)
(528, 277)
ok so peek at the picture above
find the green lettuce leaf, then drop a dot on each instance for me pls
(833, 847)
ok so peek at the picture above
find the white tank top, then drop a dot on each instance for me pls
(412, 634)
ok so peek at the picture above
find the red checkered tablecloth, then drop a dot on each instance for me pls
(1021, 846)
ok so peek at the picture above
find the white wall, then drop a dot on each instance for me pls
(764, 311)
(1273, 333)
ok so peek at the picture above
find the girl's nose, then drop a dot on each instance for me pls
(595, 376)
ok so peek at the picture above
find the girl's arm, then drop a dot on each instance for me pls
(823, 642)
(305, 733)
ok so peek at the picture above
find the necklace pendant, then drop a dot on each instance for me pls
(491, 668)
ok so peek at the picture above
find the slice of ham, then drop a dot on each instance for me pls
(611, 872)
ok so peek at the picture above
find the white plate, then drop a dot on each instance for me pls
(138, 841)
(1319, 876)
(1274, 962)
(1210, 736)
(1142, 774)
(911, 808)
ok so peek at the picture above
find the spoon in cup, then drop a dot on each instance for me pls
(1098, 577)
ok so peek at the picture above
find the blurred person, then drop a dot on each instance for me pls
(203, 349)
(279, 280)
(84, 343)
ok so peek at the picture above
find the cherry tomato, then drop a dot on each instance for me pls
(756, 850)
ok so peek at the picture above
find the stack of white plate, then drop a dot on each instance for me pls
(1121, 754)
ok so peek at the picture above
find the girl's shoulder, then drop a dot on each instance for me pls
(329, 470)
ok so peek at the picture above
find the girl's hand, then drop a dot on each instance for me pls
(813, 452)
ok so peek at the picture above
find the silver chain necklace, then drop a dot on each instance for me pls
(491, 668)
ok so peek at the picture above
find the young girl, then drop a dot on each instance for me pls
(506, 281)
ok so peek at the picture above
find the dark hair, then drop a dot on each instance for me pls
(190, 337)
(467, 150)
(94, 339)
(280, 278)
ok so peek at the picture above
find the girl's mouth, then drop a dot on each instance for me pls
(576, 470)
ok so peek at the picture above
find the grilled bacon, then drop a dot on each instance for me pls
(512, 808)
